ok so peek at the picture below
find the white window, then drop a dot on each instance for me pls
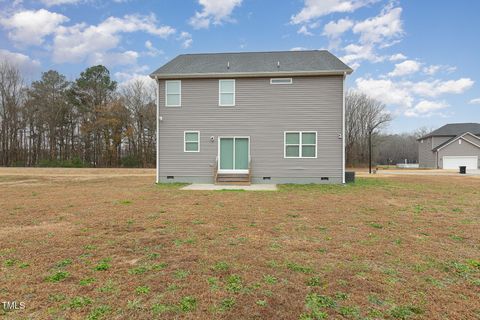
(191, 141)
(281, 81)
(173, 93)
(226, 93)
(300, 144)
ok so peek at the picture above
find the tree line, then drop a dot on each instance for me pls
(365, 120)
(87, 122)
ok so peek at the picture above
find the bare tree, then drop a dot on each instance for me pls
(364, 118)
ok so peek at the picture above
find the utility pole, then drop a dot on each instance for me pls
(370, 151)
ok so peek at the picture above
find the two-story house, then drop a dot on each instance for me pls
(261, 117)
(451, 146)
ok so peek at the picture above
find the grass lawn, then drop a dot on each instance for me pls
(116, 246)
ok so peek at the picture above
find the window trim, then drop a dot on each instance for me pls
(220, 93)
(281, 83)
(185, 140)
(300, 145)
(179, 94)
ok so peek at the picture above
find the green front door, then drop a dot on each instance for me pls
(234, 154)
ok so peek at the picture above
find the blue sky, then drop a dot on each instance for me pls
(418, 57)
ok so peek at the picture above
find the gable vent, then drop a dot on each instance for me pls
(228, 65)
(278, 64)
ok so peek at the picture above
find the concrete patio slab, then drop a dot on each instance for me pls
(252, 187)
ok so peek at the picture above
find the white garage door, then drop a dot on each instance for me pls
(451, 162)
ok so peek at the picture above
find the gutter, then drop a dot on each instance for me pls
(249, 74)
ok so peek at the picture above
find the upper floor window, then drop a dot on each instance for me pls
(173, 93)
(226, 93)
(300, 144)
(281, 81)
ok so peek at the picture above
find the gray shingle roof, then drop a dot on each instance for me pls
(280, 62)
(455, 129)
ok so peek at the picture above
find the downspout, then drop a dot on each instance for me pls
(158, 132)
(343, 129)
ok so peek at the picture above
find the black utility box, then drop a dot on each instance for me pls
(349, 176)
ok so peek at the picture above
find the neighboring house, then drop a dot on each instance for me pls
(261, 117)
(451, 146)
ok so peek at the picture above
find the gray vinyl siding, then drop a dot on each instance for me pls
(436, 141)
(463, 149)
(426, 157)
(263, 112)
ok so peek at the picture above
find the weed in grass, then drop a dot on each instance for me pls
(227, 304)
(213, 283)
(64, 263)
(474, 263)
(158, 309)
(108, 287)
(79, 302)
(181, 274)
(273, 264)
(188, 304)
(261, 303)
(86, 281)
(179, 242)
(314, 281)
(375, 225)
(98, 313)
(142, 290)
(198, 222)
(221, 266)
(138, 270)
(457, 210)
(173, 287)
(125, 202)
(23, 265)
(404, 312)
(159, 266)
(315, 304)
(321, 250)
(269, 279)
(234, 283)
(341, 295)
(398, 242)
(10, 262)
(456, 238)
(103, 265)
(298, 268)
(56, 297)
(373, 299)
(153, 256)
(57, 276)
(349, 311)
(418, 209)
(135, 304)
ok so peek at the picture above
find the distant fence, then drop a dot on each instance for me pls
(408, 165)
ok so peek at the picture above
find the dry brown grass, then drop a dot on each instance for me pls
(402, 247)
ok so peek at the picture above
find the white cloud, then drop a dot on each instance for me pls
(404, 68)
(132, 75)
(388, 25)
(475, 101)
(30, 27)
(412, 97)
(304, 30)
(80, 42)
(113, 58)
(437, 87)
(214, 11)
(335, 29)
(186, 39)
(356, 53)
(386, 91)
(298, 49)
(50, 3)
(314, 9)
(433, 69)
(397, 57)
(380, 31)
(23, 62)
(152, 51)
(426, 108)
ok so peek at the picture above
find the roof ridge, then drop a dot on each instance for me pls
(243, 52)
